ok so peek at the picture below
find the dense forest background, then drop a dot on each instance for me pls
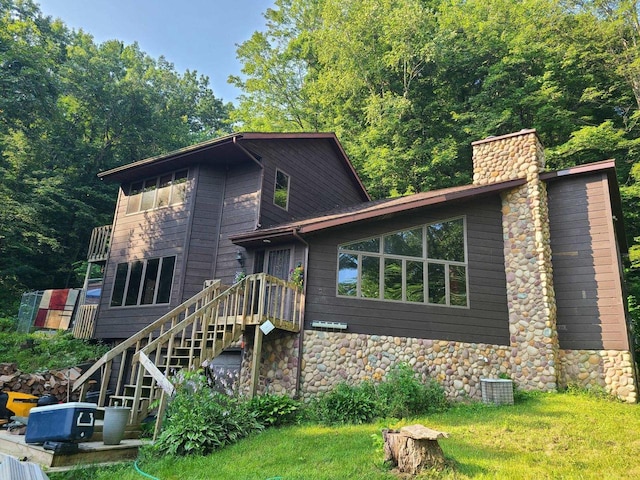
(405, 84)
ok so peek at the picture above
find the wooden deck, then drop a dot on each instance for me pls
(90, 453)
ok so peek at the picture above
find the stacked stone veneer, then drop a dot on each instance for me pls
(532, 358)
(609, 369)
(525, 226)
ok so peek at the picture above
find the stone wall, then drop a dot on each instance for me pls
(528, 268)
(609, 369)
(333, 357)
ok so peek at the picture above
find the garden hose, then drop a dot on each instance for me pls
(144, 474)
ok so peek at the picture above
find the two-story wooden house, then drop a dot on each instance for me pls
(518, 273)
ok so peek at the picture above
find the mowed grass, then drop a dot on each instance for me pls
(545, 436)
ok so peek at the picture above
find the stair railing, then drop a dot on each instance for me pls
(118, 354)
(199, 329)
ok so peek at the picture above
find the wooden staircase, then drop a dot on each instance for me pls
(200, 329)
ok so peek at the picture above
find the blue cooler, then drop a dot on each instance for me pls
(63, 422)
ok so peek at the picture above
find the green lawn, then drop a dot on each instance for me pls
(551, 436)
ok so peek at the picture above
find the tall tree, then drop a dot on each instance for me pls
(70, 108)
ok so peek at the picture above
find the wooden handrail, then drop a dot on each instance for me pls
(200, 328)
(208, 292)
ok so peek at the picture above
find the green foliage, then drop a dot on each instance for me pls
(346, 403)
(200, 420)
(274, 410)
(7, 324)
(40, 351)
(70, 108)
(400, 395)
(593, 391)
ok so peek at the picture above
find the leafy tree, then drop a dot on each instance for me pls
(70, 108)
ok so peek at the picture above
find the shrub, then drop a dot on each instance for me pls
(7, 324)
(274, 410)
(200, 420)
(402, 394)
(345, 404)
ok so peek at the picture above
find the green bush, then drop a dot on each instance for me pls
(345, 404)
(41, 351)
(274, 410)
(403, 395)
(200, 420)
(7, 324)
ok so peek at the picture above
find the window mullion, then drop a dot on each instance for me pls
(126, 285)
(142, 282)
(157, 282)
(447, 286)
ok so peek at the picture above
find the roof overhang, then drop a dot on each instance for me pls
(222, 151)
(369, 211)
(607, 167)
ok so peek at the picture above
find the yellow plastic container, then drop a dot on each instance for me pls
(21, 403)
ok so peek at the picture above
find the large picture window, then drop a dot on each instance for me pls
(143, 282)
(157, 192)
(425, 264)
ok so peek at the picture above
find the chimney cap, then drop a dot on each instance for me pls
(493, 138)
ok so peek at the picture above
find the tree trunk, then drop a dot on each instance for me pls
(413, 449)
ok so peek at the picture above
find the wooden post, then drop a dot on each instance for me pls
(413, 448)
(255, 361)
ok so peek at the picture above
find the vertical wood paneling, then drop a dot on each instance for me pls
(585, 265)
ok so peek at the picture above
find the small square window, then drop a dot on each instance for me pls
(281, 190)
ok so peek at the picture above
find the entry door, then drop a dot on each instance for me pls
(278, 263)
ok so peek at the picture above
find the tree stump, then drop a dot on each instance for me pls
(414, 448)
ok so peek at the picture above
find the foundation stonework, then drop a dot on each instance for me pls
(610, 369)
(527, 255)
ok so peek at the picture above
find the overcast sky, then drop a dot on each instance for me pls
(192, 34)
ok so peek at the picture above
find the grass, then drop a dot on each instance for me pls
(545, 436)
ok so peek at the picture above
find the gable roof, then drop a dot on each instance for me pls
(381, 208)
(224, 150)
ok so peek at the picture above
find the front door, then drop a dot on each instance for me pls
(278, 263)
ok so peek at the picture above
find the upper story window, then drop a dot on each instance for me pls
(424, 264)
(281, 190)
(143, 282)
(156, 192)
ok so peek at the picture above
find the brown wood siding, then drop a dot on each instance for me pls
(586, 275)
(155, 233)
(240, 210)
(485, 321)
(205, 221)
(319, 180)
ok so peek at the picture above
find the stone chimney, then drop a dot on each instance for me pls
(527, 254)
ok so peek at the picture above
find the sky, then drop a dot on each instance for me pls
(196, 35)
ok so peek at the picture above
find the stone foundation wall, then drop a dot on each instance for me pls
(334, 357)
(278, 364)
(609, 369)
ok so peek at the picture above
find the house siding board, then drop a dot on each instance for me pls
(240, 210)
(155, 233)
(204, 229)
(319, 179)
(590, 312)
(485, 321)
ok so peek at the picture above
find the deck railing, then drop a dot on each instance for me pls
(99, 244)
(84, 322)
(199, 329)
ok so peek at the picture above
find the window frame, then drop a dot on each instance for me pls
(404, 260)
(275, 189)
(123, 291)
(176, 190)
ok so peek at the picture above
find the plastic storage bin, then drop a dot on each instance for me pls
(65, 422)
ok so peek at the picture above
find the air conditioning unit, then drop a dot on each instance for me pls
(498, 391)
